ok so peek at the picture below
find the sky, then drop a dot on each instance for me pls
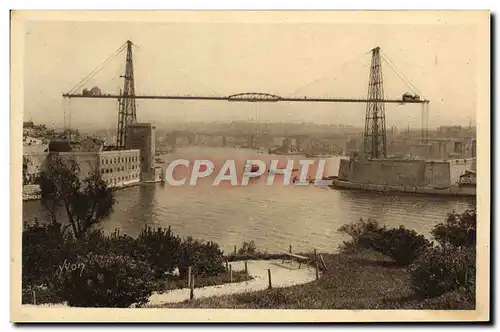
(286, 59)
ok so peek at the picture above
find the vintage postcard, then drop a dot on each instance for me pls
(199, 165)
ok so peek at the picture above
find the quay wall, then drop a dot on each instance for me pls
(452, 191)
(409, 173)
(437, 174)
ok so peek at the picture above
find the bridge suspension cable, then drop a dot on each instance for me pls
(424, 113)
(400, 73)
(96, 70)
(158, 60)
(323, 77)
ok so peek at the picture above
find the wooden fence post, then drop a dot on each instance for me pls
(34, 298)
(191, 292)
(230, 273)
(290, 249)
(235, 249)
(189, 276)
(269, 275)
(246, 267)
(316, 264)
(227, 265)
(323, 262)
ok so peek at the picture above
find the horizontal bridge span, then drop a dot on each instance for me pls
(254, 96)
(247, 97)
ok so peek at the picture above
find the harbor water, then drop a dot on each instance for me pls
(275, 217)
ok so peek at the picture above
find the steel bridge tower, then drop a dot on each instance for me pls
(126, 102)
(375, 137)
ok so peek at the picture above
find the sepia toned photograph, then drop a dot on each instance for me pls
(198, 166)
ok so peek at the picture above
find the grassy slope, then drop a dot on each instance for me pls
(359, 281)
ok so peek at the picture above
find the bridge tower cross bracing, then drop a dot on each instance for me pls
(375, 138)
(126, 102)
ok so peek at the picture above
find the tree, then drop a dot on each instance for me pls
(85, 202)
(458, 230)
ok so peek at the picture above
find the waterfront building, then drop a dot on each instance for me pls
(141, 136)
(118, 167)
(468, 179)
(91, 144)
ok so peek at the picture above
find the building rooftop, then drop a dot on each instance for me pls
(143, 124)
(59, 145)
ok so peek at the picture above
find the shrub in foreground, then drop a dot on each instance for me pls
(457, 230)
(160, 247)
(248, 248)
(42, 251)
(441, 270)
(364, 235)
(106, 281)
(401, 244)
(206, 258)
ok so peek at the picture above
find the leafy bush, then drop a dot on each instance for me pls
(247, 248)
(106, 281)
(442, 270)
(206, 259)
(47, 251)
(364, 235)
(457, 230)
(401, 244)
(160, 248)
(42, 252)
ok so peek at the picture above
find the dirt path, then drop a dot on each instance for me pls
(282, 275)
